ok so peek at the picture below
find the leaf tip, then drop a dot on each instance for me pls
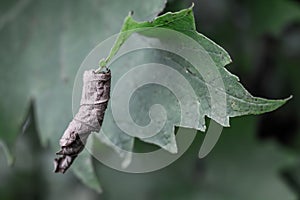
(172, 148)
(130, 14)
(192, 6)
(278, 103)
(284, 101)
(289, 98)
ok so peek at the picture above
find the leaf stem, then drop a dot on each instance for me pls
(122, 37)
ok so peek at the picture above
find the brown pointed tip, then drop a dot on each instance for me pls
(57, 168)
(62, 164)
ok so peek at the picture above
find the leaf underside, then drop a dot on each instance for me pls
(238, 100)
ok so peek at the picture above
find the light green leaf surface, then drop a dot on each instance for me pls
(42, 46)
(238, 100)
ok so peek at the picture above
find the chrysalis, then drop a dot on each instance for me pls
(94, 100)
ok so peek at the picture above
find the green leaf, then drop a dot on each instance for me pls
(86, 174)
(238, 100)
(42, 46)
(240, 167)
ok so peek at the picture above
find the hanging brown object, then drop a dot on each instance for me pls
(94, 100)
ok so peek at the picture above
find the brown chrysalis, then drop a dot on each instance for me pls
(94, 100)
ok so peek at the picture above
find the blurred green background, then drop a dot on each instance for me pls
(257, 158)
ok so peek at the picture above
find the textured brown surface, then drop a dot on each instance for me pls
(95, 96)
